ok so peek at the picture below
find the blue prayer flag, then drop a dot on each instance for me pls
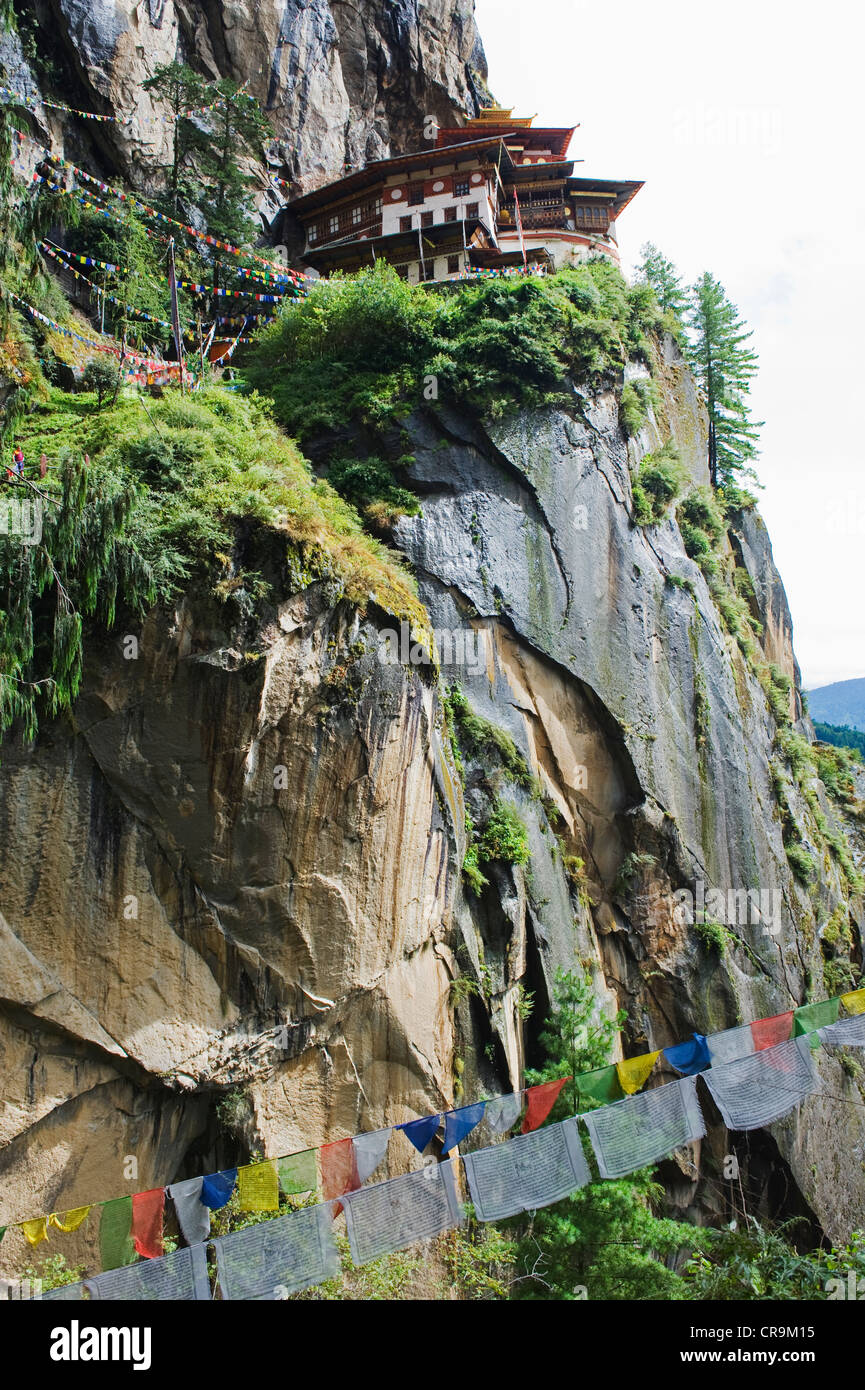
(459, 1123)
(689, 1057)
(420, 1132)
(216, 1189)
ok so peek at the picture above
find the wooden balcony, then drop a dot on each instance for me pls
(536, 216)
(347, 231)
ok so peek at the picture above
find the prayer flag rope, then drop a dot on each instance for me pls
(752, 1090)
(279, 272)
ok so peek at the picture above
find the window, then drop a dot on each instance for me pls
(312, 233)
(333, 225)
(453, 265)
(450, 214)
(426, 219)
(415, 194)
(473, 209)
(405, 224)
(461, 188)
(402, 271)
(356, 216)
(376, 207)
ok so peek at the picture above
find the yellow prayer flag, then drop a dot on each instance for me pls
(854, 1003)
(258, 1187)
(68, 1220)
(35, 1230)
(635, 1071)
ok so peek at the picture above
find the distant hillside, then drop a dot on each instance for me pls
(841, 737)
(841, 703)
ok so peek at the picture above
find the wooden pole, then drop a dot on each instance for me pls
(175, 309)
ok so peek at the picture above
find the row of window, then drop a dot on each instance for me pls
(342, 223)
(461, 189)
(453, 268)
(427, 219)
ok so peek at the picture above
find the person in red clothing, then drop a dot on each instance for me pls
(18, 460)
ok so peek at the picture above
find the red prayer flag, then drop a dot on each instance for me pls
(338, 1171)
(541, 1100)
(769, 1032)
(147, 1212)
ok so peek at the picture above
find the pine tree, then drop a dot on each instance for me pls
(659, 272)
(237, 131)
(724, 367)
(606, 1237)
(182, 90)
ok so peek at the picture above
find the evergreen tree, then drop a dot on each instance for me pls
(181, 90)
(84, 564)
(724, 366)
(237, 130)
(659, 272)
(606, 1237)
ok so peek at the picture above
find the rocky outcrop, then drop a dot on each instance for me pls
(232, 890)
(342, 83)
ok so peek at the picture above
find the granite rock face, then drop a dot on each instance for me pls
(233, 905)
(342, 83)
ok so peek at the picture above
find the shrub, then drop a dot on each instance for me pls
(659, 481)
(483, 741)
(801, 863)
(504, 837)
(100, 376)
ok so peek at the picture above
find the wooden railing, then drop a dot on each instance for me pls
(347, 231)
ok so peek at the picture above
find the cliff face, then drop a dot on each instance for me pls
(342, 83)
(232, 891)
(233, 907)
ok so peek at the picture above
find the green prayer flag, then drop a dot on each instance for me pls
(297, 1173)
(810, 1017)
(115, 1234)
(2, 1232)
(601, 1084)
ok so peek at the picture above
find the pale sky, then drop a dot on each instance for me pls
(745, 122)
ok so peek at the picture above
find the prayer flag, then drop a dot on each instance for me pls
(602, 1085)
(754, 1091)
(635, 1071)
(641, 1129)
(527, 1172)
(540, 1101)
(502, 1113)
(35, 1231)
(178, 1277)
(850, 1032)
(420, 1132)
(459, 1123)
(338, 1171)
(69, 1220)
(147, 1212)
(369, 1152)
(279, 1257)
(115, 1234)
(854, 1002)
(298, 1173)
(216, 1188)
(769, 1032)
(258, 1187)
(730, 1045)
(192, 1215)
(388, 1216)
(689, 1057)
(811, 1017)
